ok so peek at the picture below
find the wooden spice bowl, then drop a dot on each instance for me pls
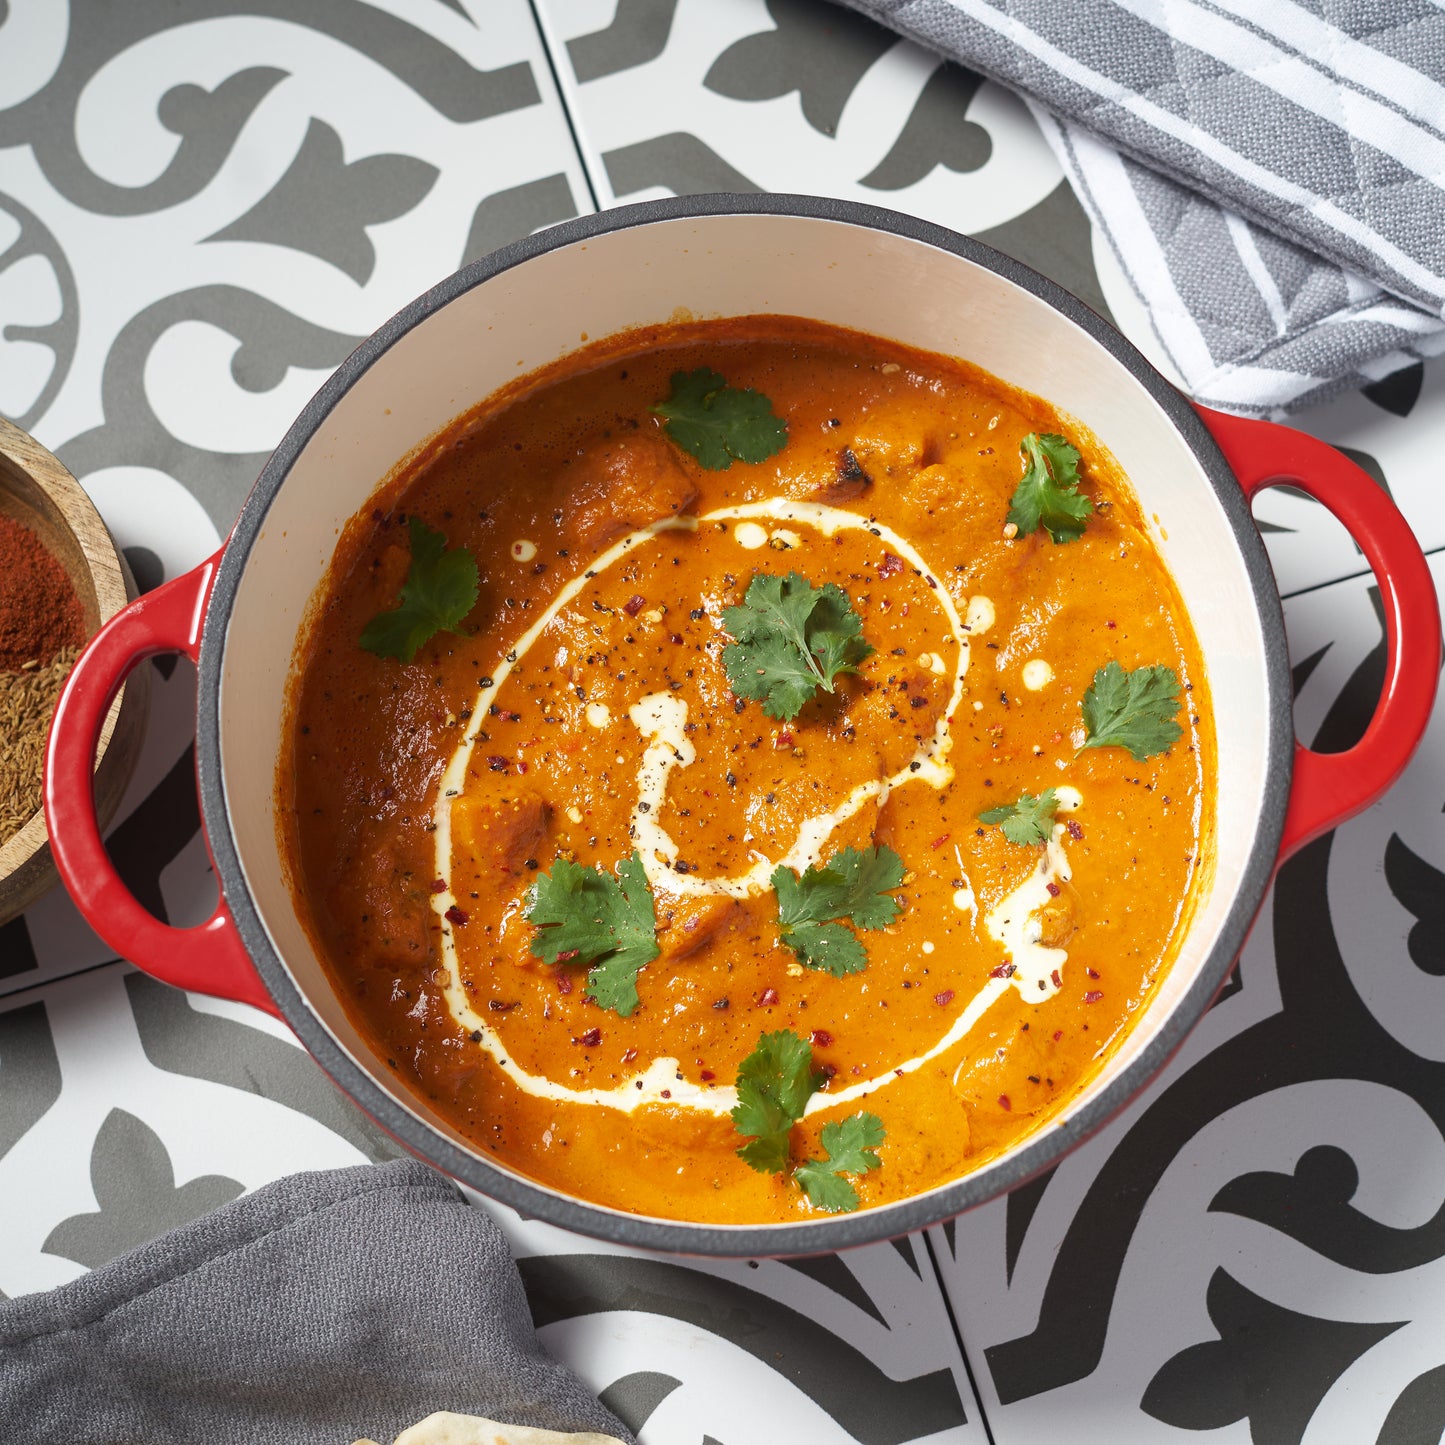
(37, 491)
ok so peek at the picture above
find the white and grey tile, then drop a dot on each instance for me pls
(127, 1107)
(835, 1349)
(675, 97)
(198, 220)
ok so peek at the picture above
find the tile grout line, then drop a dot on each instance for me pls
(7, 998)
(1365, 571)
(572, 128)
(924, 1235)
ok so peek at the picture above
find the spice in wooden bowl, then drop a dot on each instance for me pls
(42, 628)
(41, 503)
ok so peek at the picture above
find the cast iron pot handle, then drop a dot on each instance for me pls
(209, 958)
(1330, 787)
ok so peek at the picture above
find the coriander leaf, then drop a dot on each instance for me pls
(868, 878)
(790, 639)
(1048, 493)
(1028, 821)
(828, 947)
(586, 916)
(718, 423)
(1134, 710)
(848, 1148)
(852, 884)
(440, 589)
(774, 1085)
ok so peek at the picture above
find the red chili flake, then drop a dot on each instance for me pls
(822, 1038)
(498, 1007)
(675, 638)
(890, 566)
(827, 1070)
(564, 982)
(1003, 1102)
(511, 717)
(1058, 982)
(590, 1039)
(783, 740)
(1058, 1034)
(567, 955)
(1093, 996)
(1092, 972)
(940, 840)
(440, 886)
(1111, 625)
(1054, 889)
(1004, 970)
(497, 764)
(707, 1076)
(456, 915)
(634, 604)
(629, 1055)
(943, 999)
(521, 766)
(768, 997)
(667, 1093)
(1075, 831)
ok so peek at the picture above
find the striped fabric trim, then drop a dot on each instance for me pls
(1333, 50)
(1194, 117)
(1304, 358)
(1270, 176)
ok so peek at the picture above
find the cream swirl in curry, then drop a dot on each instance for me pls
(588, 717)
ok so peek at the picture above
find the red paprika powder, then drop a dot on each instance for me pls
(39, 610)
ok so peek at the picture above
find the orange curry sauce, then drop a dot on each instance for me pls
(537, 484)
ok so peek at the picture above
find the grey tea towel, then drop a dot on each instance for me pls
(320, 1309)
(1270, 173)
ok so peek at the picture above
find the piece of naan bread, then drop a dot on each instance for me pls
(444, 1428)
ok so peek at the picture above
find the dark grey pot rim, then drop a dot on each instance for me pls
(835, 1232)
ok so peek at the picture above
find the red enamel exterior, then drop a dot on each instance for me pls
(1330, 787)
(209, 958)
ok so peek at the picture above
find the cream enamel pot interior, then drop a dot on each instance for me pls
(239, 614)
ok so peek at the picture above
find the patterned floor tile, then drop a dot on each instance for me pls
(1395, 430)
(197, 222)
(127, 1107)
(1257, 1246)
(837, 1349)
(203, 219)
(674, 97)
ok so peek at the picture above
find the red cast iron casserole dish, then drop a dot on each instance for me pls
(238, 614)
